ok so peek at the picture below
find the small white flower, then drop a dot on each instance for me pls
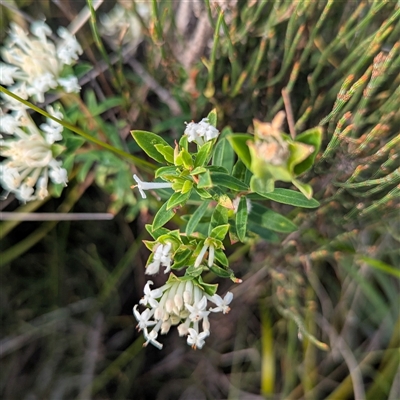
(162, 257)
(150, 294)
(222, 304)
(68, 49)
(198, 310)
(70, 84)
(201, 132)
(142, 186)
(35, 61)
(196, 339)
(143, 318)
(151, 338)
(211, 255)
(200, 257)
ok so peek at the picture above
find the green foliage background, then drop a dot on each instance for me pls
(67, 288)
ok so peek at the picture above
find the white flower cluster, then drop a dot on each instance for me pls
(122, 21)
(179, 303)
(29, 160)
(34, 63)
(201, 132)
(162, 257)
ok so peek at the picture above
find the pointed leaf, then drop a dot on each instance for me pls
(212, 117)
(228, 181)
(311, 137)
(239, 144)
(209, 288)
(223, 155)
(241, 219)
(205, 180)
(178, 199)
(166, 151)
(270, 219)
(203, 193)
(147, 141)
(221, 257)
(196, 217)
(221, 272)
(262, 186)
(219, 217)
(204, 154)
(264, 233)
(170, 171)
(162, 217)
(287, 196)
(304, 188)
(219, 232)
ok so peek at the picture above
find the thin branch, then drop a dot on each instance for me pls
(21, 216)
(289, 112)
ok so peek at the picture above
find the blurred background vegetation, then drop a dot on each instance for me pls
(68, 287)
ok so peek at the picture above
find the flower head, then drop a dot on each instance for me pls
(201, 132)
(29, 160)
(36, 62)
(178, 303)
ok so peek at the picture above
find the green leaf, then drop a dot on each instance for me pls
(196, 217)
(223, 155)
(287, 196)
(187, 186)
(298, 153)
(219, 232)
(170, 170)
(205, 180)
(241, 219)
(212, 118)
(239, 144)
(239, 170)
(178, 199)
(262, 186)
(209, 288)
(198, 170)
(311, 137)
(194, 271)
(228, 181)
(166, 151)
(304, 188)
(147, 141)
(219, 217)
(203, 193)
(203, 156)
(270, 219)
(221, 272)
(74, 143)
(184, 158)
(183, 142)
(264, 233)
(380, 265)
(181, 258)
(162, 217)
(221, 257)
